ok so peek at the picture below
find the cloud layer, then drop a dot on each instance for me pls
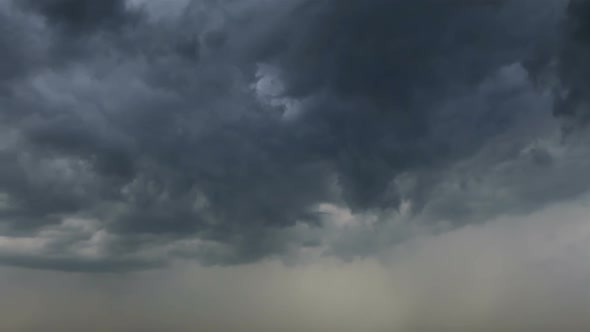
(229, 132)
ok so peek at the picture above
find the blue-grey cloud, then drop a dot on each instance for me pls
(218, 131)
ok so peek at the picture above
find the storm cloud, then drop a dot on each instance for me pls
(229, 132)
(572, 101)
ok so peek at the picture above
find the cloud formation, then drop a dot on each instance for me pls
(572, 102)
(231, 132)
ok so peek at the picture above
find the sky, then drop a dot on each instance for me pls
(295, 165)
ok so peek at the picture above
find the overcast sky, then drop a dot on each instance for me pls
(295, 165)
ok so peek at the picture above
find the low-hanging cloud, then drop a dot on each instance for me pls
(220, 132)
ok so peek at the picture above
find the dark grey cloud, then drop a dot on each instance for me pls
(381, 71)
(574, 86)
(81, 15)
(215, 132)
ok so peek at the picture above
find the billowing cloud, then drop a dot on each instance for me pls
(229, 132)
(573, 86)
